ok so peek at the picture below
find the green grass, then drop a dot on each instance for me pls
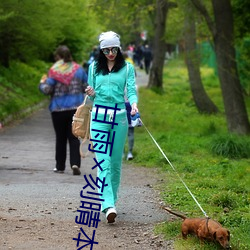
(19, 88)
(214, 164)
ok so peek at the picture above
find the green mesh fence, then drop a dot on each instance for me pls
(207, 55)
(208, 58)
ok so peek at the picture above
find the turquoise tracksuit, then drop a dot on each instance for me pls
(109, 90)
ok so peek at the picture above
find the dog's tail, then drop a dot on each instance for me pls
(175, 213)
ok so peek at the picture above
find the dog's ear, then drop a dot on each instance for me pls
(228, 237)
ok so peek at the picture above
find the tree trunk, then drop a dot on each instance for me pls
(159, 47)
(223, 38)
(235, 109)
(201, 99)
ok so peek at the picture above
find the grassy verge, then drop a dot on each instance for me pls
(212, 163)
(19, 88)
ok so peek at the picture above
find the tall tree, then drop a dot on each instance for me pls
(159, 44)
(223, 38)
(201, 99)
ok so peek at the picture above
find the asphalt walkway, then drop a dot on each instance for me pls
(30, 190)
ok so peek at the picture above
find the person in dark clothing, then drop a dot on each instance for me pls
(138, 56)
(147, 54)
(93, 55)
(65, 83)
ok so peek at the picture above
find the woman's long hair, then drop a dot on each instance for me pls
(102, 66)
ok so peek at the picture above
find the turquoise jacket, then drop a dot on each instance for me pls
(110, 88)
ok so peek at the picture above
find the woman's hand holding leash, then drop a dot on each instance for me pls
(134, 109)
(90, 91)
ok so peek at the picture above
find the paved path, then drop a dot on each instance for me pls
(141, 78)
(38, 207)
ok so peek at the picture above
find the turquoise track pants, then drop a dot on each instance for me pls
(112, 165)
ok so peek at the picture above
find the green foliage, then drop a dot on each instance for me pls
(224, 200)
(19, 87)
(29, 33)
(231, 146)
(241, 17)
(175, 25)
(128, 18)
(243, 59)
(219, 183)
(176, 18)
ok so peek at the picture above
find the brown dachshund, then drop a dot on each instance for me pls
(204, 229)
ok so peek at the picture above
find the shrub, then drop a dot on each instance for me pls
(231, 146)
(223, 200)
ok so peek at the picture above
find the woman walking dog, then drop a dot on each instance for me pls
(108, 78)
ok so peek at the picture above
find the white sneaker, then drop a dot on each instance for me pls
(129, 156)
(111, 214)
(58, 171)
(76, 170)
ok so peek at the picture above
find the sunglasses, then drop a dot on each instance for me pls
(106, 51)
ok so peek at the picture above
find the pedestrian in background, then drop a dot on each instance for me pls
(147, 54)
(108, 78)
(92, 57)
(65, 84)
(138, 52)
(131, 129)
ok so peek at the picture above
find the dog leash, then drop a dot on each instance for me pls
(174, 170)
